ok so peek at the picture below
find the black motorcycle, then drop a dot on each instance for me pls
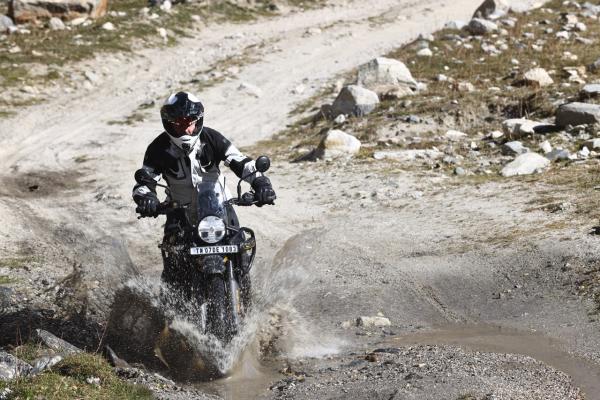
(208, 257)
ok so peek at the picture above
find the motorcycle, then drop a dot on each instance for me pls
(212, 253)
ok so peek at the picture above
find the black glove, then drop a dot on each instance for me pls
(148, 205)
(263, 191)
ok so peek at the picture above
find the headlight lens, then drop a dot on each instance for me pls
(211, 229)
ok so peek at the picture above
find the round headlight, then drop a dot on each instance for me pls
(211, 229)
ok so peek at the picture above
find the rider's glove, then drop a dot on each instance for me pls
(148, 205)
(263, 191)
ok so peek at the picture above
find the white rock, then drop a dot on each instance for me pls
(593, 144)
(337, 143)
(519, 127)
(384, 71)
(340, 119)
(441, 78)
(372, 322)
(455, 25)
(162, 32)
(166, 5)
(479, 26)
(92, 77)
(563, 35)
(250, 89)
(454, 135)
(546, 147)
(425, 53)
(584, 152)
(56, 24)
(496, 135)
(354, 100)
(299, 89)
(525, 164)
(465, 87)
(538, 77)
(78, 21)
(514, 148)
(108, 26)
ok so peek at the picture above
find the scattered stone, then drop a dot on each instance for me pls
(590, 90)
(455, 25)
(595, 66)
(11, 367)
(299, 89)
(454, 135)
(593, 144)
(5, 23)
(337, 143)
(372, 322)
(563, 35)
(108, 26)
(525, 164)
(491, 9)
(56, 24)
(22, 11)
(425, 53)
(391, 92)
(409, 155)
(584, 152)
(495, 135)
(340, 119)
(465, 87)
(413, 119)
(354, 100)
(162, 32)
(78, 21)
(43, 363)
(538, 77)
(519, 127)
(250, 89)
(546, 147)
(92, 77)
(514, 148)
(55, 343)
(385, 71)
(558, 154)
(578, 114)
(481, 27)
(459, 171)
(441, 78)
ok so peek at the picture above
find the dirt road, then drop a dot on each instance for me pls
(342, 242)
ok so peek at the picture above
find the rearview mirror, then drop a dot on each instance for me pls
(262, 163)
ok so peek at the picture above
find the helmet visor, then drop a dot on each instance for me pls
(181, 125)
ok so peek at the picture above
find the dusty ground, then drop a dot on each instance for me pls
(456, 268)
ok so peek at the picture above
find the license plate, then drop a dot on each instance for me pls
(196, 251)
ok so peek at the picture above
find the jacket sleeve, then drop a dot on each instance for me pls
(240, 164)
(152, 166)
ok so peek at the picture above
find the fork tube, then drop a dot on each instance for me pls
(233, 298)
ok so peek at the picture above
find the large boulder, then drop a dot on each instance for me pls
(525, 164)
(578, 114)
(11, 367)
(383, 71)
(30, 10)
(354, 100)
(537, 77)
(337, 143)
(516, 128)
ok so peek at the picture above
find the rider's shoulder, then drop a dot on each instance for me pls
(161, 141)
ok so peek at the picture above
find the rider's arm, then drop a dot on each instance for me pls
(152, 166)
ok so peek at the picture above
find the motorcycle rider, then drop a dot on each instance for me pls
(187, 155)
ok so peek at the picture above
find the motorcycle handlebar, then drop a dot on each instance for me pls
(163, 208)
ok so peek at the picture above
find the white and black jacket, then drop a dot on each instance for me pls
(183, 171)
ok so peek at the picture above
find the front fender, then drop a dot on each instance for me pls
(212, 264)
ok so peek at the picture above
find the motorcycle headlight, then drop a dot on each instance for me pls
(211, 229)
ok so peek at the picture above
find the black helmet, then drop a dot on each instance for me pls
(182, 107)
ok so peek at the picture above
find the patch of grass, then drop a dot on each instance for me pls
(29, 351)
(17, 262)
(6, 280)
(68, 380)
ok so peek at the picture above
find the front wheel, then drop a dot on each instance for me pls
(221, 321)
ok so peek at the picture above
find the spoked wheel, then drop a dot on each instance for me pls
(221, 320)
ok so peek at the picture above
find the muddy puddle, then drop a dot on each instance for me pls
(485, 338)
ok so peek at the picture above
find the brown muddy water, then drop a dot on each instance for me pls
(496, 339)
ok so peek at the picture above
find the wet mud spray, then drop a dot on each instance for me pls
(496, 339)
(273, 332)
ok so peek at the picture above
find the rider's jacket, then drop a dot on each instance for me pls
(185, 172)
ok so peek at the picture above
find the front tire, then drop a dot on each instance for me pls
(220, 321)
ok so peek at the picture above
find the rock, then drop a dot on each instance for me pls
(383, 71)
(459, 171)
(595, 66)
(593, 144)
(43, 363)
(584, 152)
(56, 24)
(495, 135)
(558, 154)
(92, 77)
(108, 26)
(425, 53)
(409, 155)
(454, 135)
(546, 147)
(354, 100)
(11, 367)
(392, 92)
(372, 322)
(413, 119)
(455, 25)
(519, 127)
(577, 114)
(340, 119)
(538, 77)
(466, 87)
(481, 27)
(22, 11)
(563, 35)
(114, 359)
(491, 9)
(77, 21)
(250, 89)
(337, 143)
(590, 90)
(514, 148)
(5, 23)
(525, 164)
(55, 343)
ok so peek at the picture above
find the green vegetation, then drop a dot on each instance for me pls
(70, 379)
(6, 280)
(17, 262)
